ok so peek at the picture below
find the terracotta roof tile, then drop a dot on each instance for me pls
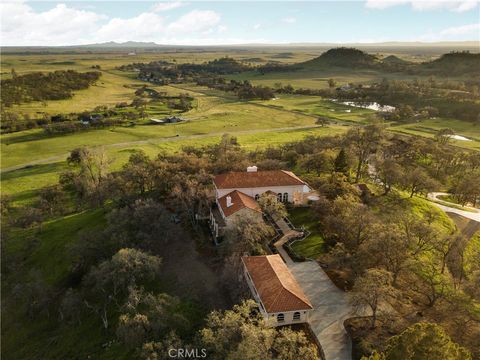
(275, 284)
(245, 179)
(239, 201)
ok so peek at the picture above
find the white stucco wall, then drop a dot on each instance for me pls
(288, 316)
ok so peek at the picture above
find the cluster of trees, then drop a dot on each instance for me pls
(276, 67)
(421, 341)
(182, 102)
(415, 99)
(39, 86)
(390, 251)
(240, 333)
(164, 73)
(115, 267)
(243, 89)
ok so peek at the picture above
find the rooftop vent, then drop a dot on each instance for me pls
(229, 201)
(252, 169)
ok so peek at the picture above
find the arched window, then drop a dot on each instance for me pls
(279, 197)
(296, 316)
(285, 197)
(257, 196)
(280, 318)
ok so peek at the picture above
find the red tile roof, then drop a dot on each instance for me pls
(239, 201)
(245, 179)
(275, 284)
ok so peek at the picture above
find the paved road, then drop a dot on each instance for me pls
(158, 141)
(467, 214)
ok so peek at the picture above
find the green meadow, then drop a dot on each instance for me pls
(429, 127)
(255, 123)
(23, 183)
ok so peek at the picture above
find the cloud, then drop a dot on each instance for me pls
(166, 6)
(21, 25)
(144, 27)
(289, 20)
(221, 29)
(467, 32)
(257, 26)
(424, 5)
(194, 21)
(462, 30)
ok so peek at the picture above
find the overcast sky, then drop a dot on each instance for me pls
(237, 22)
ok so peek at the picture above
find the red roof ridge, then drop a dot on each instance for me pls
(243, 179)
(277, 287)
(240, 201)
(287, 286)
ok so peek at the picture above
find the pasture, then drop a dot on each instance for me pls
(429, 127)
(255, 123)
(22, 184)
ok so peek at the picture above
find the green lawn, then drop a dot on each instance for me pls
(314, 245)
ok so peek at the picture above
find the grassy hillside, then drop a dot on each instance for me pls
(343, 57)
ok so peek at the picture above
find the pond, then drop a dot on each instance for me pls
(371, 106)
(459, 137)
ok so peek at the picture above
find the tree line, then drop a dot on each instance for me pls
(38, 86)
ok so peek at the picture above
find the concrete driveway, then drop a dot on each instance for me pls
(330, 304)
(331, 308)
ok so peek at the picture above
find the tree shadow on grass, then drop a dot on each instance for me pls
(33, 170)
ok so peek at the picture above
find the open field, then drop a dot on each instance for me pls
(428, 128)
(308, 78)
(22, 184)
(111, 89)
(317, 106)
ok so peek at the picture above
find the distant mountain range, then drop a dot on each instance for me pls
(139, 44)
(113, 44)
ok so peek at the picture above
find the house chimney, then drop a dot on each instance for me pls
(252, 169)
(229, 201)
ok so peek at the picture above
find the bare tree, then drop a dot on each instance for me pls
(371, 289)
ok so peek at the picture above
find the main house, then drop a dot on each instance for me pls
(236, 194)
(281, 299)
